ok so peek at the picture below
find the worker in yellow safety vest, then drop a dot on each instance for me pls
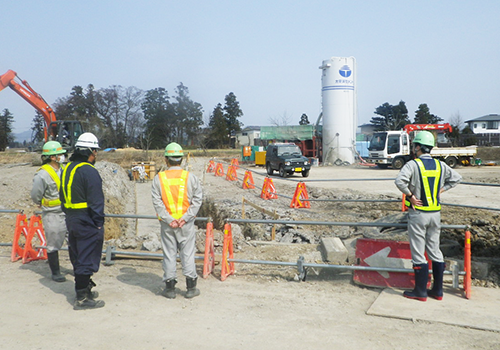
(177, 197)
(422, 180)
(45, 193)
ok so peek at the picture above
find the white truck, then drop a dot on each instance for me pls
(393, 148)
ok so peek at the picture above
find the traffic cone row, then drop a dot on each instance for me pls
(300, 198)
(209, 260)
(211, 166)
(248, 180)
(28, 231)
(231, 173)
(227, 250)
(219, 170)
(268, 189)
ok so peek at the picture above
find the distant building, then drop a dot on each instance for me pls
(249, 136)
(488, 124)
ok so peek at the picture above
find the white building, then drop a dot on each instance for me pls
(488, 124)
(247, 136)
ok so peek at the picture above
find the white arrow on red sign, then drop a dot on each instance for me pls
(382, 259)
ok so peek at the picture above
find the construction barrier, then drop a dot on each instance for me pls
(231, 173)
(300, 198)
(227, 253)
(268, 189)
(219, 171)
(467, 266)
(248, 181)
(35, 228)
(21, 230)
(209, 259)
(211, 166)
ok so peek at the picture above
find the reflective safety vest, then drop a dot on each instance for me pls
(174, 192)
(67, 189)
(51, 171)
(430, 180)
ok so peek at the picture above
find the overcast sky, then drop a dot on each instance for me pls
(443, 53)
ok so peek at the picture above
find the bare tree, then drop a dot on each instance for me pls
(282, 120)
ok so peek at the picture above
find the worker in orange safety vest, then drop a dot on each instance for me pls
(177, 197)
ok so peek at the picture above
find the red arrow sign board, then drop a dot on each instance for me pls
(384, 253)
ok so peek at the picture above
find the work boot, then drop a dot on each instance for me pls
(437, 288)
(92, 295)
(421, 278)
(192, 291)
(169, 291)
(84, 301)
(53, 258)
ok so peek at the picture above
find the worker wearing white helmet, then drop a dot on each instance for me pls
(422, 181)
(82, 200)
(177, 197)
(45, 193)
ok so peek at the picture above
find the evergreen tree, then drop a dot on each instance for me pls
(391, 117)
(304, 120)
(219, 131)
(6, 137)
(423, 116)
(232, 112)
(158, 113)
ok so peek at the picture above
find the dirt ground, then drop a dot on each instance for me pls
(261, 306)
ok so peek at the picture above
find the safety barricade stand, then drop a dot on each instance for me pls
(211, 166)
(35, 228)
(248, 180)
(403, 204)
(234, 162)
(300, 198)
(227, 249)
(467, 265)
(209, 259)
(231, 173)
(268, 189)
(20, 230)
(219, 171)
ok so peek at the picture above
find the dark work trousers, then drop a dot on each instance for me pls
(85, 245)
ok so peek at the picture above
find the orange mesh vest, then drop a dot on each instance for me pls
(174, 191)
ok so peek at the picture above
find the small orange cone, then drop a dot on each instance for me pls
(209, 260)
(211, 166)
(231, 173)
(234, 162)
(35, 227)
(467, 266)
(227, 267)
(268, 190)
(20, 230)
(219, 171)
(300, 198)
(248, 180)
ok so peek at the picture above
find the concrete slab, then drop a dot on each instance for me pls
(478, 312)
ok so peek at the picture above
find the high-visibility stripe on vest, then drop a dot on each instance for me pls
(430, 180)
(67, 189)
(174, 192)
(51, 171)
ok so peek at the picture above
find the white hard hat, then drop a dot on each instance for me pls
(87, 140)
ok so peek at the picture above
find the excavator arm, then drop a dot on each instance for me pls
(24, 90)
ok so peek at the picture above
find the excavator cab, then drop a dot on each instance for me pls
(66, 132)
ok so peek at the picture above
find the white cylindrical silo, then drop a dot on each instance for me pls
(339, 110)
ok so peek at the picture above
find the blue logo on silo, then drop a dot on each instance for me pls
(345, 71)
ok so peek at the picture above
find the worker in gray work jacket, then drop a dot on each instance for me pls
(422, 180)
(45, 193)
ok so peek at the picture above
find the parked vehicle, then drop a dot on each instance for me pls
(287, 159)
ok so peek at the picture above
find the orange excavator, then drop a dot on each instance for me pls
(64, 131)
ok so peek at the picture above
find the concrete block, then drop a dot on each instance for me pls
(350, 245)
(333, 250)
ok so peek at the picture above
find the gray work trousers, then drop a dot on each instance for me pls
(54, 226)
(182, 240)
(424, 229)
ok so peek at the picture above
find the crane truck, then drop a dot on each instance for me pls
(64, 131)
(393, 148)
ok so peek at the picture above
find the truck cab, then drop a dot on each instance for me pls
(389, 148)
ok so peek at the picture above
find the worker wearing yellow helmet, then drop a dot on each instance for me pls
(177, 197)
(422, 181)
(45, 193)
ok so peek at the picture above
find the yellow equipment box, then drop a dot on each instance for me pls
(260, 158)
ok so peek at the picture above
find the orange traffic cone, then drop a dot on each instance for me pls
(248, 180)
(231, 173)
(219, 171)
(227, 267)
(211, 166)
(300, 198)
(209, 260)
(268, 190)
(30, 253)
(20, 230)
(234, 162)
